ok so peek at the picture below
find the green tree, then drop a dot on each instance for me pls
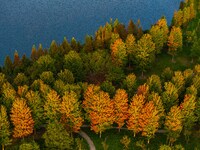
(21, 79)
(74, 63)
(188, 107)
(4, 128)
(29, 146)
(53, 50)
(8, 95)
(131, 28)
(66, 46)
(167, 74)
(8, 66)
(173, 124)
(108, 87)
(36, 103)
(70, 110)
(195, 49)
(66, 76)
(45, 63)
(175, 41)
(74, 45)
(145, 52)
(89, 45)
(130, 47)
(154, 83)
(47, 77)
(61, 140)
(129, 84)
(52, 106)
(179, 81)
(169, 96)
(159, 33)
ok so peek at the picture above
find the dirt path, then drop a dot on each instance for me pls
(88, 139)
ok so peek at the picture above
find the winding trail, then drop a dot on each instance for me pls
(88, 139)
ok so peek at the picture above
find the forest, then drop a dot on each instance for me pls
(140, 85)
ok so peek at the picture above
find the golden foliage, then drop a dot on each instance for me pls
(21, 118)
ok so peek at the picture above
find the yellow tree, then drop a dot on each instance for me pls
(4, 128)
(21, 118)
(121, 107)
(145, 52)
(149, 120)
(173, 124)
(52, 106)
(175, 41)
(130, 47)
(188, 107)
(159, 33)
(134, 113)
(70, 110)
(155, 97)
(178, 18)
(118, 52)
(179, 81)
(99, 109)
(169, 96)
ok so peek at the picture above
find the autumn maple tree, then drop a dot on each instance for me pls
(21, 118)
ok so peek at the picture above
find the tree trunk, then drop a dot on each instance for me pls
(2, 146)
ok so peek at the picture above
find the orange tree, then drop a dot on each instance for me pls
(121, 107)
(134, 113)
(99, 109)
(149, 120)
(21, 118)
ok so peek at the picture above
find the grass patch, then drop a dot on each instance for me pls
(113, 137)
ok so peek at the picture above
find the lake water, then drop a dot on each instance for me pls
(27, 22)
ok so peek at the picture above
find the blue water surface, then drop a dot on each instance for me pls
(27, 22)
